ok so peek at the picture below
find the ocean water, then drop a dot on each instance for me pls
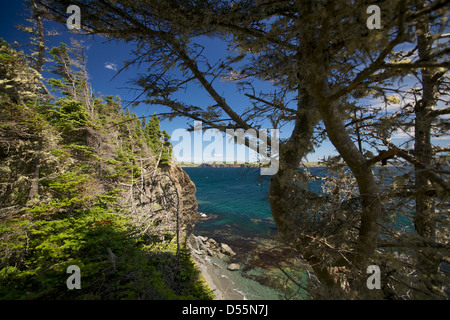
(236, 206)
(237, 199)
(233, 198)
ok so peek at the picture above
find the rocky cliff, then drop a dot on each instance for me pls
(160, 199)
(85, 184)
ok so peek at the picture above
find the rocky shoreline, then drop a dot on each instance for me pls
(213, 260)
(248, 268)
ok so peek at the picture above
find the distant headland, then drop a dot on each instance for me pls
(216, 164)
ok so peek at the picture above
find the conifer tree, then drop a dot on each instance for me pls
(158, 141)
(62, 201)
(63, 69)
(37, 32)
(323, 62)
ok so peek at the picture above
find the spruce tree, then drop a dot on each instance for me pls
(324, 63)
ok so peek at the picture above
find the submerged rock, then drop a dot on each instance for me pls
(233, 267)
(227, 250)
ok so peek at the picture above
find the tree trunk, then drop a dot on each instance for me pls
(41, 37)
(427, 264)
(361, 169)
(34, 187)
(423, 148)
(291, 154)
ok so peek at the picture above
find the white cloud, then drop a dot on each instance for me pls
(446, 137)
(401, 134)
(111, 66)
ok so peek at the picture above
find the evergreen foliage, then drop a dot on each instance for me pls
(324, 65)
(62, 198)
(330, 77)
(158, 141)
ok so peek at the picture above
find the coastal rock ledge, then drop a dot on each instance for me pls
(203, 246)
(207, 252)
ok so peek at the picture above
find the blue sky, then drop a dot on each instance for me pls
(105, 58)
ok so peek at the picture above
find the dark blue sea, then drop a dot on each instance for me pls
(234, 198)
(235, 204)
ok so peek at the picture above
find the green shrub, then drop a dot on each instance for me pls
(75, 216)
(68, 115)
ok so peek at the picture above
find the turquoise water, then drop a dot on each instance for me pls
(235, 198)
(235, 202)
